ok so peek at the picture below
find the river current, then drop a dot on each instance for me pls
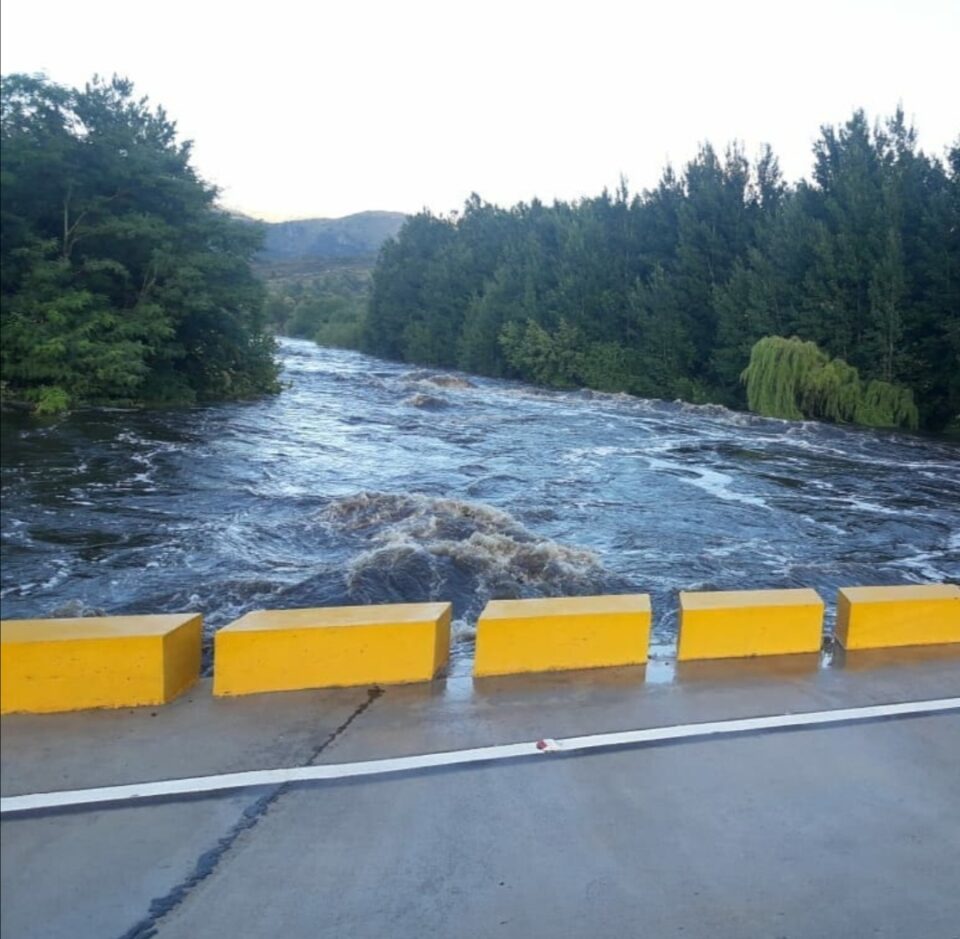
(367, 481)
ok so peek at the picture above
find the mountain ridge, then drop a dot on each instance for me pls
(358, 234)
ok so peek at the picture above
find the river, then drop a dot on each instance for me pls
(367, 481)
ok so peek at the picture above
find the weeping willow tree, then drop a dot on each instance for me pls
(833, 392)
(886, 405)
(779, 374)
(793, 379)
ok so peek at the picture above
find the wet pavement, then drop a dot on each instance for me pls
(848, 830)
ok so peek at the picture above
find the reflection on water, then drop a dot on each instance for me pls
(368, 482)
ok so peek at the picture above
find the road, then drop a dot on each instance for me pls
(849, 830)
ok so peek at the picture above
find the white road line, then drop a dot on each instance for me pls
(173, 787)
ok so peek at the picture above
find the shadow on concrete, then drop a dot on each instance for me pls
(738, 670)
(858, 660)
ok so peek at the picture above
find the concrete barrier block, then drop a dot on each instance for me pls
(914, 615)
(97, 662)
(331, 647)
(563, 633)
(741, 623)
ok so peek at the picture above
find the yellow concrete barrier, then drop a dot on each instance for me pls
(740, 623)
(331, 647)
(564, 633)
(97, 662)
(915, 615)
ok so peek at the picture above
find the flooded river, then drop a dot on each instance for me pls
(367, 481)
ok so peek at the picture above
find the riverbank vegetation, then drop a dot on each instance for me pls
(794, 379)
(666, 293)
(122, 282)
(324, 299)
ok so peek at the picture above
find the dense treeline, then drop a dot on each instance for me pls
(121, 280)
(666, 293)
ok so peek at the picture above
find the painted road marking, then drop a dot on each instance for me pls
(135, 792)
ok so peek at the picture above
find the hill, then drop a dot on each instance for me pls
(350, 236)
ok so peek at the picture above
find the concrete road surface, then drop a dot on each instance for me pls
(849, 831)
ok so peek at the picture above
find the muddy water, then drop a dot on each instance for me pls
(367, 481)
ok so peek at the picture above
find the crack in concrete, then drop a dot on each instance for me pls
(208, 862)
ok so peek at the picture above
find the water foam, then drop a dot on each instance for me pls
(711, 481)
(439, 380)
(416, 547)
(421, 400)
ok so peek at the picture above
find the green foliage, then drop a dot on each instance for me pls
(51, 400)
(793, 379)
(779, 374)
(565, 359)
(886, 405)
(323, 300)
(665, 293)
(121, 280)
(609, 366)
(548, 358)
(832, 391)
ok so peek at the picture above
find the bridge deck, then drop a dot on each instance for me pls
(849, 830)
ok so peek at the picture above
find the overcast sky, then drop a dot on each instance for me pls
(302, 109)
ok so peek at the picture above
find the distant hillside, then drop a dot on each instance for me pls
(351, 236)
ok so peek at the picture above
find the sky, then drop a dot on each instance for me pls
(302, 109)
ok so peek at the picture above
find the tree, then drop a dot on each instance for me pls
(122, 280)
(667, 293)
(794, 379)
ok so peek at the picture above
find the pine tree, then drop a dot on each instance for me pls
(668, 293)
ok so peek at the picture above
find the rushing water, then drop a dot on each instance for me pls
(366, 481)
